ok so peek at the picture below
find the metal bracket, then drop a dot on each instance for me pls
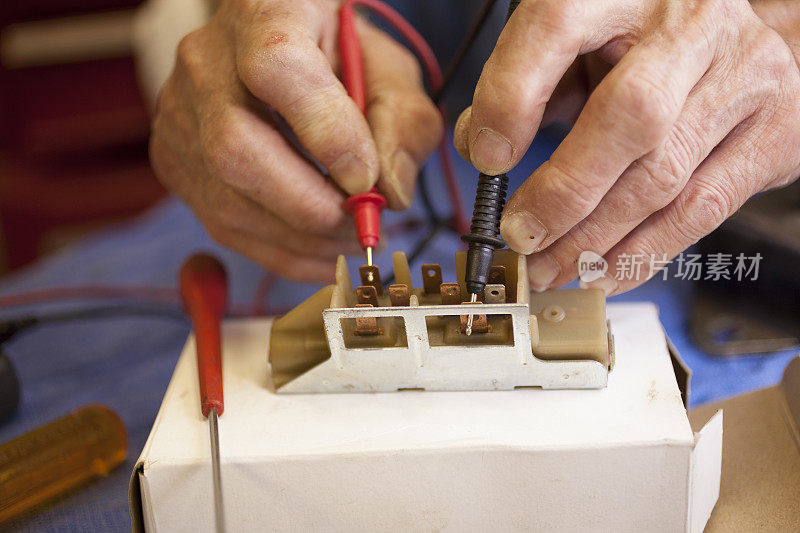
(401, 344)
(420, 365)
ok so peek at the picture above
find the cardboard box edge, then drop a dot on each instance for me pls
(787, 395)
(135, 498)
(705, 473)
(135, 508)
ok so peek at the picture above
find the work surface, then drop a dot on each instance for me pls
(126, 363)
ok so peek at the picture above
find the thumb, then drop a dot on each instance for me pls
(405, 123)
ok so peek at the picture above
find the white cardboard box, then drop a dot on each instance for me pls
(619, 459)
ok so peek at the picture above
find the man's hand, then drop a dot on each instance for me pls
(253, 97)
(700, 111)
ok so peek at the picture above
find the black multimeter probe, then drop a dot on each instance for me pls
(484, 236)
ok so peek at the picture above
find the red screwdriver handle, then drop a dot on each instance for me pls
(204, 291)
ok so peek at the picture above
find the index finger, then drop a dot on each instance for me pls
(538, 44)
(629, 114)
(280, 61)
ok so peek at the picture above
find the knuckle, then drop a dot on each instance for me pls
(225, 150)
(663, 177)
(503, 94)
(645, 102)
(558, 15)
(770, 56)
(251, 68)
(190, 50)
(682, 151)
(276, 51)
(716, 16)
(571, 193)
(325, 124)
(422, 113)
(703, 209)
(316, 215)
(644, 245)
(665, 174)
(584, 236)
(422, 108)
(425, 112)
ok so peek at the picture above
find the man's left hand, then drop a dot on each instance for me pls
(700, 111)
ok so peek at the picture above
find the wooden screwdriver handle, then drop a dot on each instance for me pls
(204, 290)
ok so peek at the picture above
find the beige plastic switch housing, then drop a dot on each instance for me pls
(375, 338)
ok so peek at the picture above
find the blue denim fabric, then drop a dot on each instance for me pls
(126, 363)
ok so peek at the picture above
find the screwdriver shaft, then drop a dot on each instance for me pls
(213, 425)
(204, 290)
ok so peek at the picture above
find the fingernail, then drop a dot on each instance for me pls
(522, 232)
(403, 175)
(491, 152)
(542, 271)
(351, 173)
(608, 284)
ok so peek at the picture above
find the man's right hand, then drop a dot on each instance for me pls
(254, 97)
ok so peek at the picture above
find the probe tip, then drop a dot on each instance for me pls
(370, 276)
(472, 299)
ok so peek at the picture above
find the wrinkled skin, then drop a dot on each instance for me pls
(682, 110)
(251, 87)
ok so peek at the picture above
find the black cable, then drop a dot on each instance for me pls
(9, 382)
(113, 312)
(10, 327)
(436, 223)
(415, 253)
(452, 69)
(466, 44)
(418, 249)
(425, 196)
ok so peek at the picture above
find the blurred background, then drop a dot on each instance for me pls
(73, 141)
(73, 160)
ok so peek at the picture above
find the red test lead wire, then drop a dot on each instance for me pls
(366, 207)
